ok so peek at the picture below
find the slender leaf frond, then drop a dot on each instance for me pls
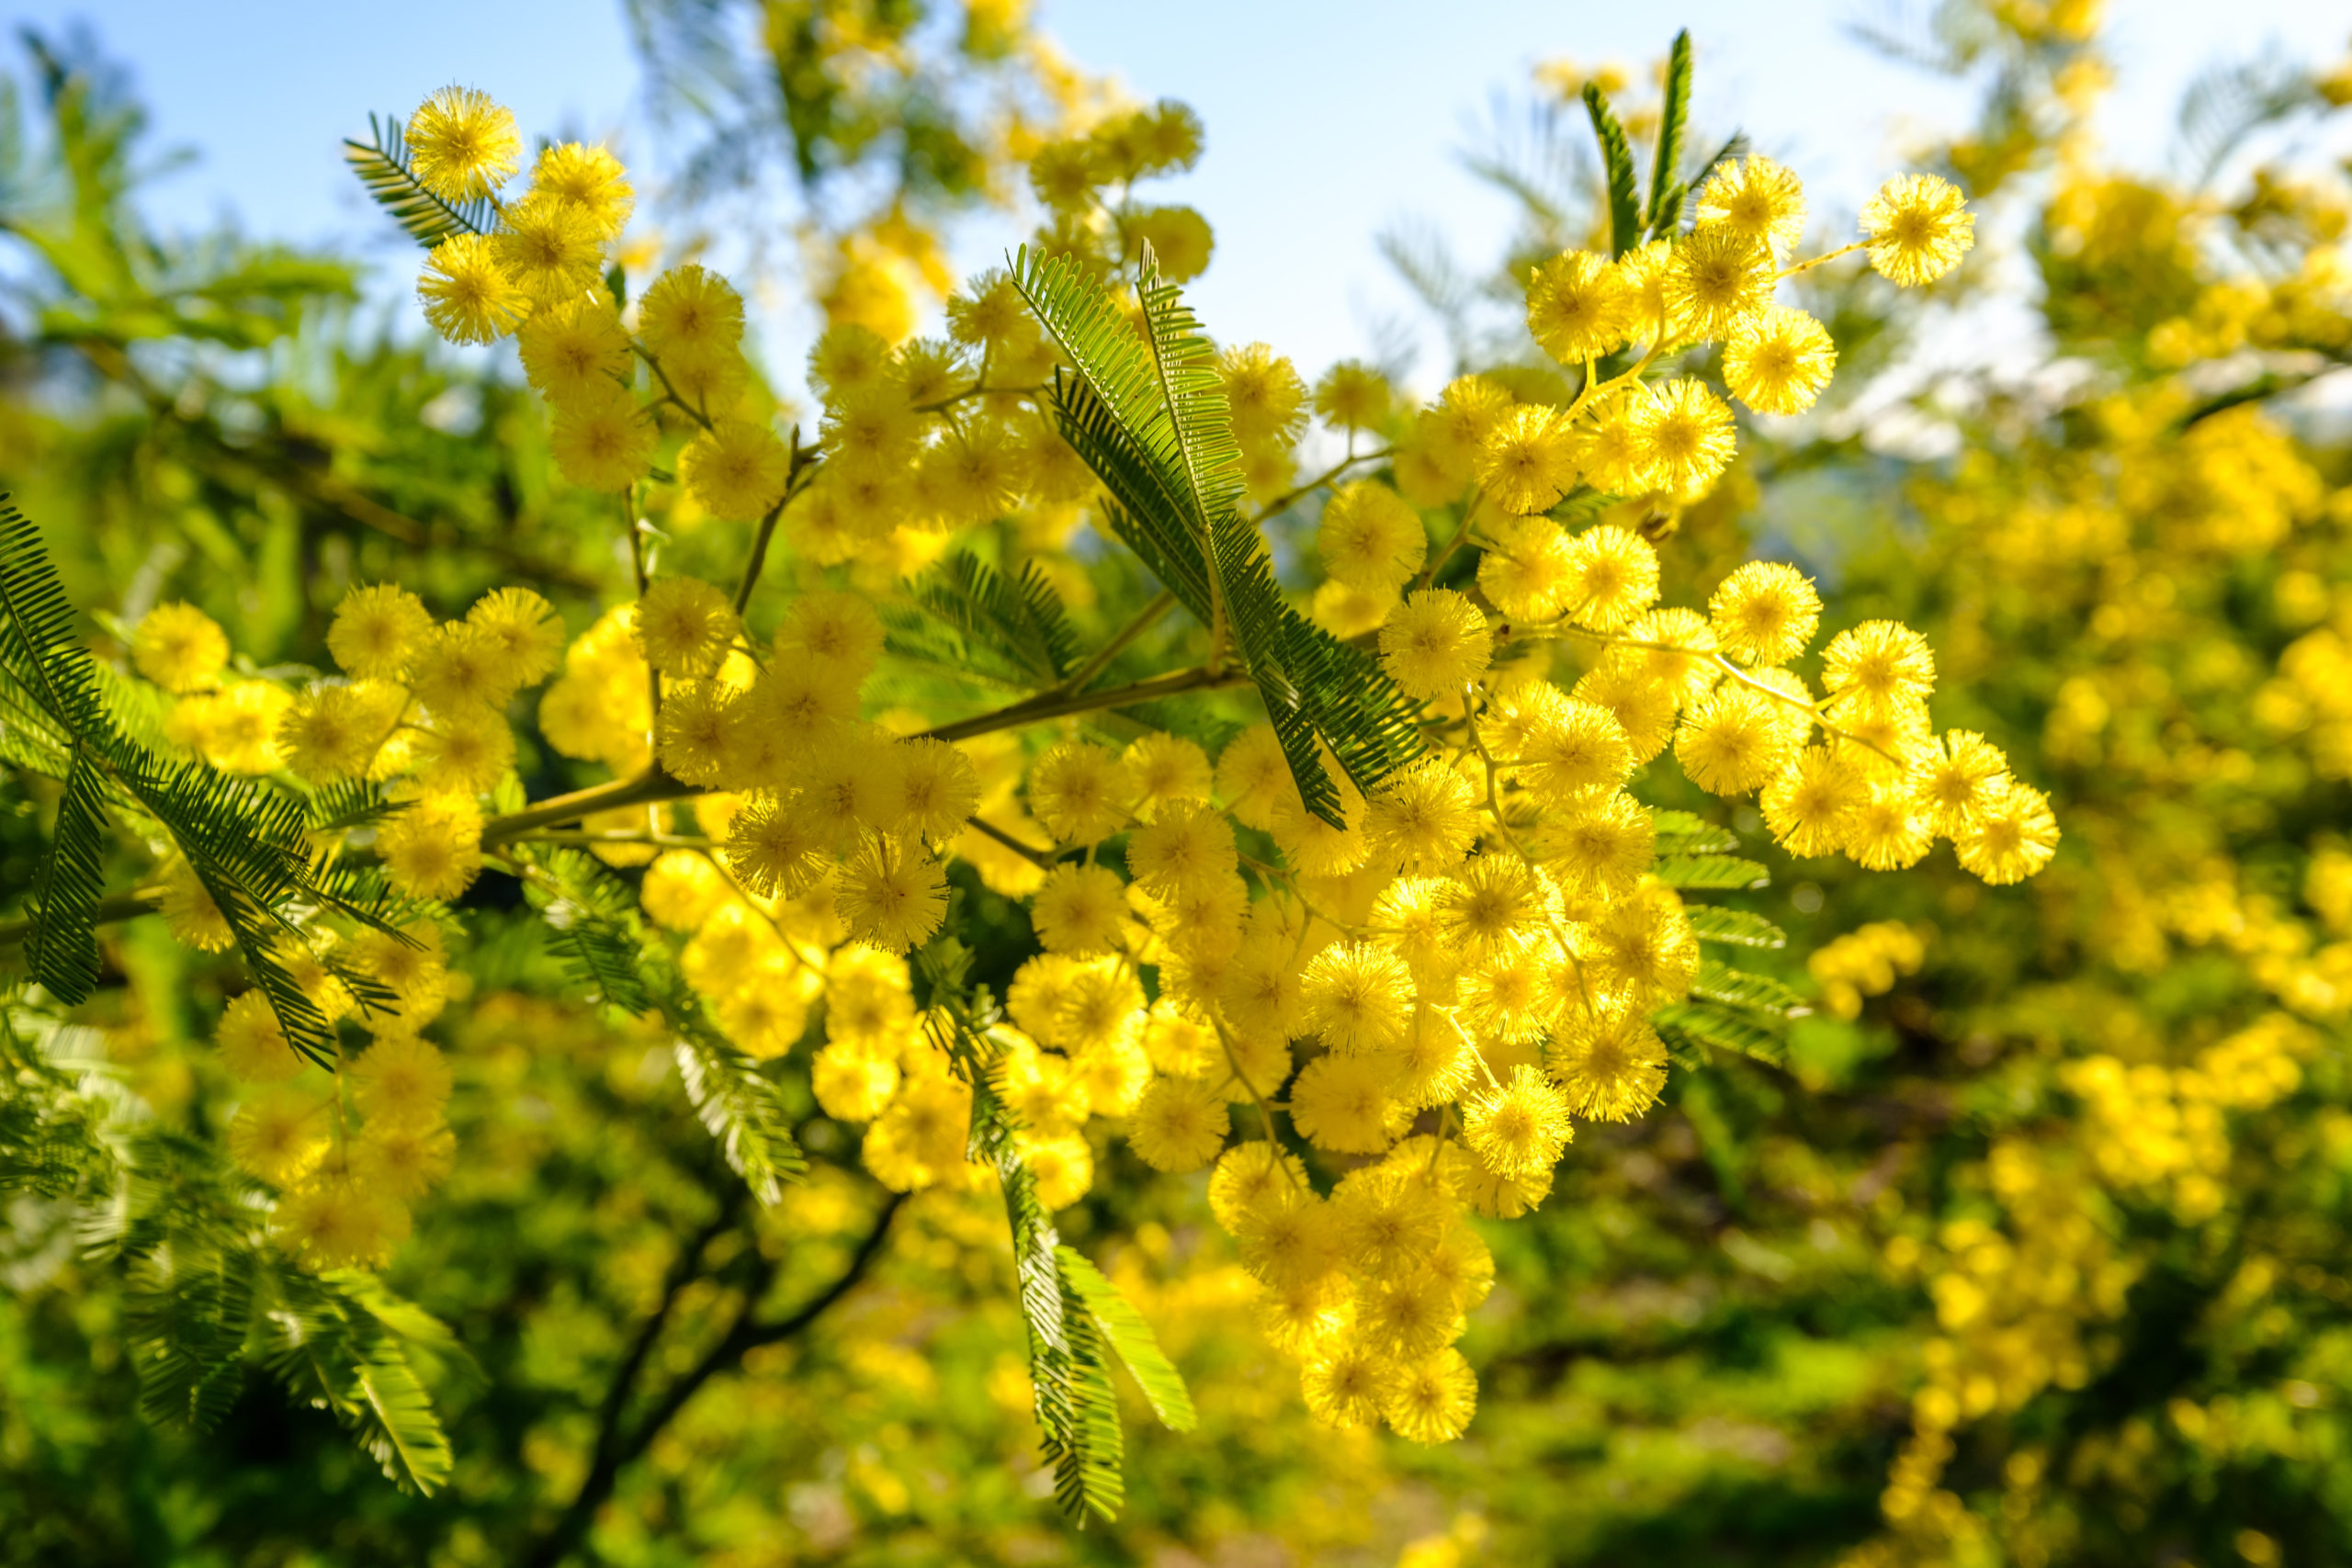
(1736, 928)
(1617, 159)
(1124, 1330)
(1666, 168)
(1709, 870)
(382, 165)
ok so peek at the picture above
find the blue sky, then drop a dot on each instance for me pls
(1327, 123)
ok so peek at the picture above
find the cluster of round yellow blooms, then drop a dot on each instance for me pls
(348, 1154)
(1865, 962)
(2014, 1306)
(1433, 981)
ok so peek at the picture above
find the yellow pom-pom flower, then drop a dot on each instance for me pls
(403, 1081)
(1579, 306)
(737, 468)
(466, 293)
(602, 440)
(1919, 227)
(1764, 612)
(683, 626)
(1778, 360)
(251, 1045)
(589, 180)
(1756, 198)
(574, 349)
(179, 647)
(1369, 539)
(1178, 1124)
(1435, 643)
(463, 144)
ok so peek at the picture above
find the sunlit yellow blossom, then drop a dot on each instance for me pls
(1919, 227)
(1778, 360)
(588, 179)
(466, 295)
(683, 626)
(463, 144)
(179, 647)
(602, 440)
(1756, 200)
(1434, 643)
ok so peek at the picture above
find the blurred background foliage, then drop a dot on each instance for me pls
(2034, 1252)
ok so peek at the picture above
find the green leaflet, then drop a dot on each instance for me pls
(1674, 115)
(1069, 1379)
(1709, 870)
(328, 1350)
(1737, 928)
(1617, 159)
(1719, 982)
(381, 162)
(1688, 1028)
(598, 930)
(1680, 833)
(1131, 1336)
(1146, 413)
(1016, 623)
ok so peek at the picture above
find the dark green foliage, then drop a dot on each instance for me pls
(382, 165)
(245, 844)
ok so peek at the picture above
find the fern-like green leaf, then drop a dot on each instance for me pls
(744, 1109)
(1126, 1331)
(65, 948)
(396, 1423)
(1148, 416)
(1718, 982)
(382, 165)
(1736, 928)
(1674, 115)
(1688, 1028)
(1680, 833)
(187, 1323)
(1019, 622)
(1709, 870)
(1077, 1409)
(1617, 161)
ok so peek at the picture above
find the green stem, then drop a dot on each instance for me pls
(1150, 613)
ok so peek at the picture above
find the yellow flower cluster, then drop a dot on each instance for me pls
(344, 1182)
(1865, 962)
(1432, 977)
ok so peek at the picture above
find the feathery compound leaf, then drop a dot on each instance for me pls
(1688, 1028)
(1617, 158)
(1736, 928)
(64, 949)
(1680, 833)
(1077, 1409)
(1719, 982)
(382, 165)
(1666, 185)
(1709, 870)
(186, 1322)
(1149, 417)
(38, 651)
(1126, 1332)
(592, 914)
(397, 1425)
(744, 1109)
(1020, 620)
